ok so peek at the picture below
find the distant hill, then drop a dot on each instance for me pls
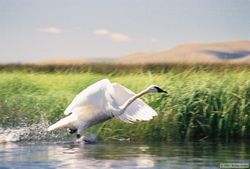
(60, 61)
(222, 52)
(79, 61)
(219, 52)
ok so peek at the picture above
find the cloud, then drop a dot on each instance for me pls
(102, 32)
(49, 30)
(119, 37)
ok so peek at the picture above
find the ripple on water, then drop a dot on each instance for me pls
(119, 155)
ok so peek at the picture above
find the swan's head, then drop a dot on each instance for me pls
(155, 89)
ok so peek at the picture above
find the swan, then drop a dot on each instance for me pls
(102, 101)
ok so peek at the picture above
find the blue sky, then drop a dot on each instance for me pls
(34, 30)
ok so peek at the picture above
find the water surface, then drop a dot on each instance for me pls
(121, 155)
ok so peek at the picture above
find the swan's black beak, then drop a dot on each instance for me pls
(159, 90)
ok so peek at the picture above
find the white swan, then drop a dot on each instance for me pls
(102, 101)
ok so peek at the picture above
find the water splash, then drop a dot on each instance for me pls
(33, 133)
(11, 135)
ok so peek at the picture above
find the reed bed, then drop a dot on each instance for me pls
(204, 101)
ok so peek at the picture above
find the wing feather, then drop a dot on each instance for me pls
(88, 97)
(137, 111)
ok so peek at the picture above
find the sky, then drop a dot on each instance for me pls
(40, 30)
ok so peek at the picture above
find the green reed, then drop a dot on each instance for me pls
(202, 103)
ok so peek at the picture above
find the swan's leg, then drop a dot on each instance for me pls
(83, 139)
(78, 133)
(80, 138)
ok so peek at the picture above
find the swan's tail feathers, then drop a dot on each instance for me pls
(63, 123)
(137, 111)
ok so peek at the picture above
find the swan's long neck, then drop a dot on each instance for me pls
(132, 99)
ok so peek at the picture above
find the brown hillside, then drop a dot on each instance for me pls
(229, 52)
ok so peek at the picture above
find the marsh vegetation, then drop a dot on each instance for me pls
(204, 101)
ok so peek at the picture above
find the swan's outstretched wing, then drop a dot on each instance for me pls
(94, 95)
(138, 110)
(89, 107)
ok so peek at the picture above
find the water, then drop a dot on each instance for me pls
(33, 147)
(121, 155)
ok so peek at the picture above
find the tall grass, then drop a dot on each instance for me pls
(202, 103)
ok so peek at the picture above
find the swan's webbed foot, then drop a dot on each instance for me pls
(83, 139)
(80, 139)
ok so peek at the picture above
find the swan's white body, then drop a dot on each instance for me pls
(102, 101)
